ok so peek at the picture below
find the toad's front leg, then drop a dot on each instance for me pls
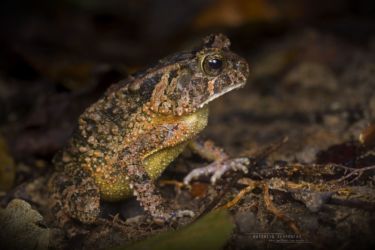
(221, 163)
(141, 172)
(146, 192)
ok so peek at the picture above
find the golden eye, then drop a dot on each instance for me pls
(213, 64)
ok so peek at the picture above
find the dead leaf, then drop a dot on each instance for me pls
(210, 232)
(20, 227)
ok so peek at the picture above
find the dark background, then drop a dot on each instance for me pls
(312, 79)
(51, 49)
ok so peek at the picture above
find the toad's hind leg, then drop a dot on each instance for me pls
(74, 197)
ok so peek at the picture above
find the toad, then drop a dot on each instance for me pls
(126, 139)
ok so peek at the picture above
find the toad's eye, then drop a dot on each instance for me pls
(213, 65)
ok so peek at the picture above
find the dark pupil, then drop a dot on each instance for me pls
(215, 63)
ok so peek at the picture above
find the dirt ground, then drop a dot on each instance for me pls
(306, 119)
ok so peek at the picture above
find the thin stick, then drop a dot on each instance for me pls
(274, 210)
(237, 175)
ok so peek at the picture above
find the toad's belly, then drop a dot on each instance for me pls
(115, 186)
(118, 188)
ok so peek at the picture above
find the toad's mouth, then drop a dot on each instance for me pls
(224, 91)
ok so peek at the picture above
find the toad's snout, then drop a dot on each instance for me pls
(243, 67)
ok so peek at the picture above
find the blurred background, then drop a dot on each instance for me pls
(312, 80)
(59, 56)
(135, 32)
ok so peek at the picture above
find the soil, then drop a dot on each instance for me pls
(306, 119)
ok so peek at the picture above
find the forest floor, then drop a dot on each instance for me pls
(306, 119)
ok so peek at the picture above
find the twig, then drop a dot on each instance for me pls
(239, 196)
(237, 175)
(365, 205)
(271, 207)
(354, 171)
(177, 184)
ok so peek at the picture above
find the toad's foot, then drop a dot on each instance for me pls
(162, 219)
(166, 218)
(218, 168)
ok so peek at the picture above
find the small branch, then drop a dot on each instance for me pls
(360, 171)
(237, 175)
(239, 196)
(369, 206)
(280, 215)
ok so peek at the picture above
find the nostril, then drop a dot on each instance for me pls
(243, 67)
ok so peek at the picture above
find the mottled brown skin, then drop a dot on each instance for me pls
(128, 137)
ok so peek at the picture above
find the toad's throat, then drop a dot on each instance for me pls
(216, 95)
(156, 160)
